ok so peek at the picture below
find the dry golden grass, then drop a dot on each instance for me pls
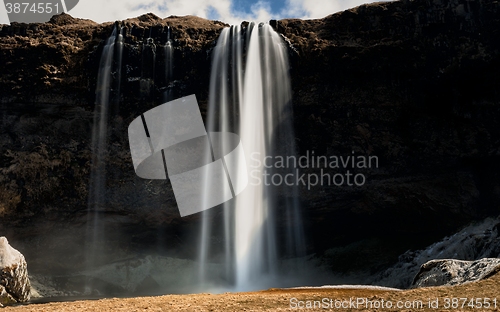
(279, 300)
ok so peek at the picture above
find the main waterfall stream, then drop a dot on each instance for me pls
(107, 98)
(250, 95)
(256, 239)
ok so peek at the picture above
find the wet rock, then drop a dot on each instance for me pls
(455, 272)
(14, 282)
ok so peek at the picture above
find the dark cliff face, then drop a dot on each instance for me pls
(414, 83)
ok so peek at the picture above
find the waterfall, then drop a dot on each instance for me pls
(168, 51)
(252, 97)
(117, 74)
(167, 94)
(148, 68)
(107, 91)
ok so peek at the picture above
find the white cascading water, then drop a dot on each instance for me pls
(221, 117)
(252, 98)
(107, 91)
(168, 51)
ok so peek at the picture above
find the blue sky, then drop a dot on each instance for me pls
(246, 5)
(229, 11)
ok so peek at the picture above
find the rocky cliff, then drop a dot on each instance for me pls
(414, 83)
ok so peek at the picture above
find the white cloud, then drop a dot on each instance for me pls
(111, 10)
(308, 9)
(318, 9)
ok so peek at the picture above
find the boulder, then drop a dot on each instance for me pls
(477, 241)
(14, 282)
(455, 272)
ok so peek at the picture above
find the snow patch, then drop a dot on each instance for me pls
(8, 255)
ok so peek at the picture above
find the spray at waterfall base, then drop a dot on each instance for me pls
(334, 170)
